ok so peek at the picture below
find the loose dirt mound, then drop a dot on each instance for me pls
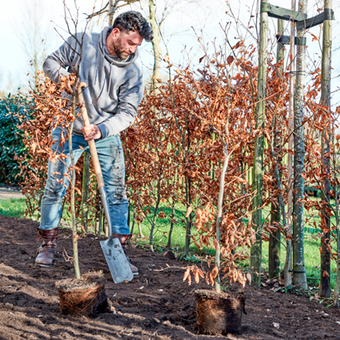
(155, 305)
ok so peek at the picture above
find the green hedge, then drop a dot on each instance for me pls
(13, 110)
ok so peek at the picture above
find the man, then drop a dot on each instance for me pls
(114, 90)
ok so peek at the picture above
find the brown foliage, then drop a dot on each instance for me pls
(182, 129)
(51, 109)
(174, 152)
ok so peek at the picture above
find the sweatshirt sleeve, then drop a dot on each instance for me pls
(62, 62)
(130, 96)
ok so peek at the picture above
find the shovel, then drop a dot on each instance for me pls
(113, 251)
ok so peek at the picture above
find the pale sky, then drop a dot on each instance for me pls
(17, 25)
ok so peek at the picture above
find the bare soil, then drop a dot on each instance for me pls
(157, 304)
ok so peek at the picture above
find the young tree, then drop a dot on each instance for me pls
(299, 273)
(275, 241)
(256, 250)
(325, 101)
(288, 261)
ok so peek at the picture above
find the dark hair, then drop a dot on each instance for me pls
(134, 21)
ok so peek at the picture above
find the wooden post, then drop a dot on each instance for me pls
(256, 249)
(299, 274)
(325, 265)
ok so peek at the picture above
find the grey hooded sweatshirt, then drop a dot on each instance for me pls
(114, 87)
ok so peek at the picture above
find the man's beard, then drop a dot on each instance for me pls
(119, 51)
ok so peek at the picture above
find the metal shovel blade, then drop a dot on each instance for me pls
(116, 260)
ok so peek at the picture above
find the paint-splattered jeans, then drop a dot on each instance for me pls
(111, 158)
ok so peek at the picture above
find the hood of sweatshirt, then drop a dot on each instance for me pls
(114, 59)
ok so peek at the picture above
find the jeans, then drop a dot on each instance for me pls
(111, 158)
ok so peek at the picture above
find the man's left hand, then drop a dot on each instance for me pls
(91, 132)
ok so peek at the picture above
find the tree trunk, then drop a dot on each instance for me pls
(274, 240)
(188, 185)
(288, 261)
(73, 183)
(173, 212)
(155, 213)
(157, 52)
(172, 223)
(299, 273)
(190, 217)
(256, 249)
(336, 197)
(99, 214)
(85, 190)
(325, 288)
(112, 10)
(140, 230)
(219, 213)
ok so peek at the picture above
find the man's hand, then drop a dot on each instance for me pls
(91, 132)
(69, 83)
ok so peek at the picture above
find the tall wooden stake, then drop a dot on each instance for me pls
(256, 250)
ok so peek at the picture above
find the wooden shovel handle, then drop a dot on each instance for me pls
(92, 145)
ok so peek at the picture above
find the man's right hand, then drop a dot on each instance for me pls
(91, 132)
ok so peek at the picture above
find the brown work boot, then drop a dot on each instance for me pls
(47, 249)
(123, 239)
